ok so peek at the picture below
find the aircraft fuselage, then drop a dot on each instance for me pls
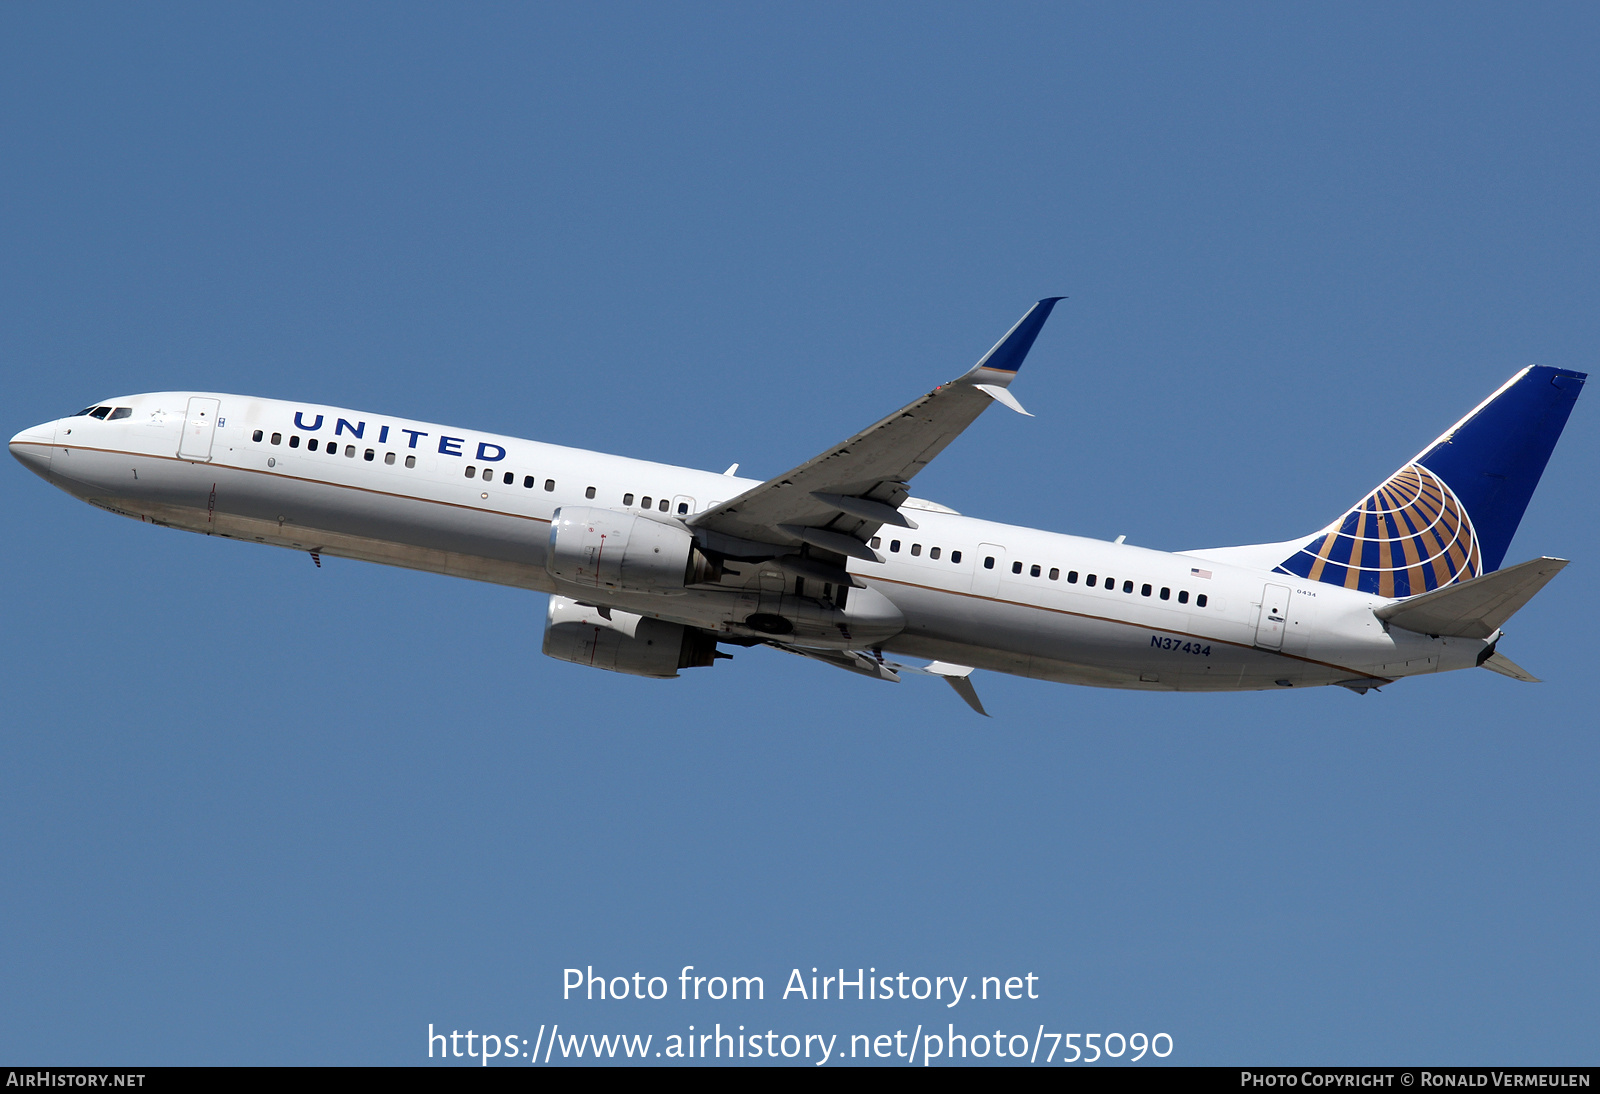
(956, 589)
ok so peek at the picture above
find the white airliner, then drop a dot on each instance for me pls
(651, 567)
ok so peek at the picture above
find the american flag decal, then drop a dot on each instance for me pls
(1195, 571)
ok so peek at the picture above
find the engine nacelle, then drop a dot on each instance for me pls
(605, 549)
(624, 643)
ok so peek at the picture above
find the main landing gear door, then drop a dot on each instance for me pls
(198, 428)
(1274, 617)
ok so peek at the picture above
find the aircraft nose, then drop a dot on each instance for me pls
(32, 446)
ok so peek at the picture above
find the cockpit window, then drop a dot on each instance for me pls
(81, 413)
(121, 412)
(99, 412)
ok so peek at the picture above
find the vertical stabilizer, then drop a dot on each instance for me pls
(1449, 514)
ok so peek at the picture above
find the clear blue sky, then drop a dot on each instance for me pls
(258, 812)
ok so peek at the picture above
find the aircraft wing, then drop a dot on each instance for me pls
(835, 502)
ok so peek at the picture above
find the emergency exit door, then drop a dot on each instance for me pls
(987, 568)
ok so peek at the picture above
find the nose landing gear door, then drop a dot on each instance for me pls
(1274, 617)
(199, 425)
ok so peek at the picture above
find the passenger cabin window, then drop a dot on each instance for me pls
(311, 445)
(350, 451)
(472, 472)
(955, 556)
(256, 436)
(550, 485)
(988, 562)
(589, 493)
(663, 505)
(369, 455)
(411, 461)
(488, 474)
(683, 506)
(645, 501)
(1072, 577)
(277, 438)
(916, 549)
(528, 481)
(1166, 593)
(1033, 571)
(1200, 601)
(1016, 567)
(1183, 596)
(877, 541)
(894, 545)
(388, 458)
(1144, 590)
(1055, 574)
(627, 500)
(933, 553)
(1090, 581)
(1127, 586)
(294, 441)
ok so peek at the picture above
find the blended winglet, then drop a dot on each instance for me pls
(999, 366)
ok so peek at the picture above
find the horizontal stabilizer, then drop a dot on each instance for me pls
(1474, 608)
(1499, 662)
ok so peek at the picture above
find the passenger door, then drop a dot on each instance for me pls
(1274, 617)
(199, 425)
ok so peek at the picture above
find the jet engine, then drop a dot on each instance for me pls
(605, 549)
(623, 642)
